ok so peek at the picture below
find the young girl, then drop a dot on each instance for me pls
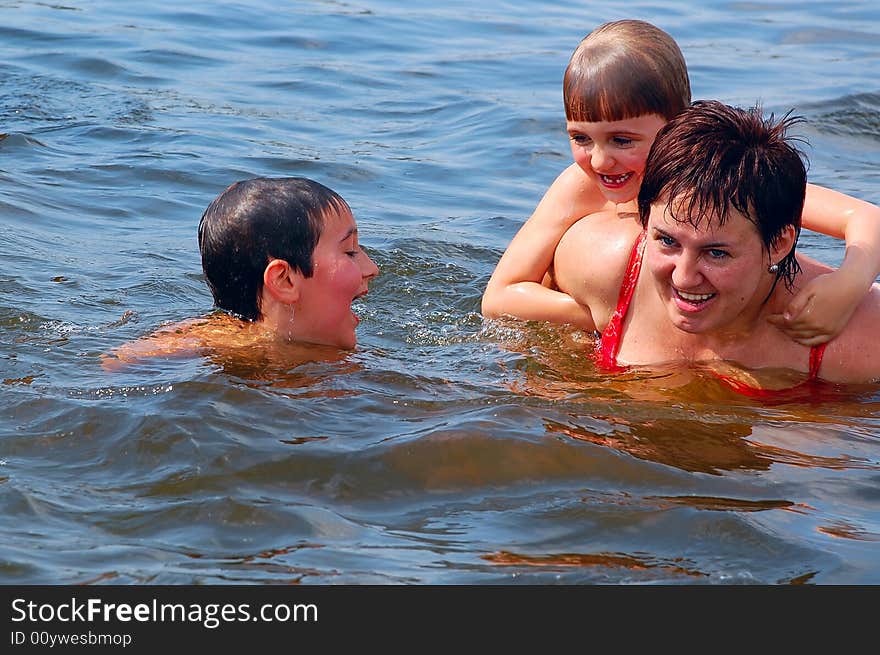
(625, 81)
(282, 260)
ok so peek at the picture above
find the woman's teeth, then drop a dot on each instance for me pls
(694, 297)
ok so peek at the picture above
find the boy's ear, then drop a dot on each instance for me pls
(282, 281)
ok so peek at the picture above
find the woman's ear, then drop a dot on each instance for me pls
(282, 281)
(783, 244)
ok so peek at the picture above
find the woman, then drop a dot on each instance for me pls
(696, 276)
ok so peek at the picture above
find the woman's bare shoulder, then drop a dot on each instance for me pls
(596, 248)
(853, 356)
(592, 257)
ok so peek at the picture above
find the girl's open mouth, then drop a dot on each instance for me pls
(615, 181)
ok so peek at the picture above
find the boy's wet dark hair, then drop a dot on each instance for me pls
(713, 157)
(257, 220)
(625, 69)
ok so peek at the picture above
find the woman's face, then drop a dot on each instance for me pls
(341, 273)
(613, 153)
(710, 278)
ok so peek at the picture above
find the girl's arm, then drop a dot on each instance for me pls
(821, 310)
(515, 288)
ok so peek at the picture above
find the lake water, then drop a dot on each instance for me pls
(444, 450)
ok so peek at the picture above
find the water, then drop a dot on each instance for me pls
(443, 450)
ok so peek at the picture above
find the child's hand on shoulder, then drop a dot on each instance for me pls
(820, 310)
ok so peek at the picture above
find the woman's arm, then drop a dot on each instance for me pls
(821, 310)
(515, 288)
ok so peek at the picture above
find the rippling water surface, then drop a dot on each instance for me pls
(444, 450)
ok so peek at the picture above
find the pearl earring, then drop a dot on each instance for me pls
(773, 268)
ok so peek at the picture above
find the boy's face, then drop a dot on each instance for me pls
(341, 273)
(613, 153)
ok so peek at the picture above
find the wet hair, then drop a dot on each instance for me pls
(257, 220)
(713, 157)
(625, 69)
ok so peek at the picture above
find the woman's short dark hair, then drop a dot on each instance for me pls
(712, 157)
(257, 220)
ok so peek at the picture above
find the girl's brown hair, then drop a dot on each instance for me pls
(624, 69)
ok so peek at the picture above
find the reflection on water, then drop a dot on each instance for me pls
(711, 443)
(685, 416)
(678, 443)
(599, 560)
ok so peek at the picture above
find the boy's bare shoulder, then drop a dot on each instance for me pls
(183, 339)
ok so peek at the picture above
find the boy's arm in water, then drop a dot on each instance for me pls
(823, 307)
(519, 285)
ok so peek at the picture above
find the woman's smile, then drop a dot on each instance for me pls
(691, 302)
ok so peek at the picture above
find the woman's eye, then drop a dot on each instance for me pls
(580, 139)
(667, 241)
(622, 141)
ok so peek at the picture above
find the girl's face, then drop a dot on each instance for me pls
(613, 153)
(341, 273)
(708, 278)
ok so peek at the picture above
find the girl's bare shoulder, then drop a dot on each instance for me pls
(574, 194)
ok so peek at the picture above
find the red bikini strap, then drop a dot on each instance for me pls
(816, 355)
(609, 344)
